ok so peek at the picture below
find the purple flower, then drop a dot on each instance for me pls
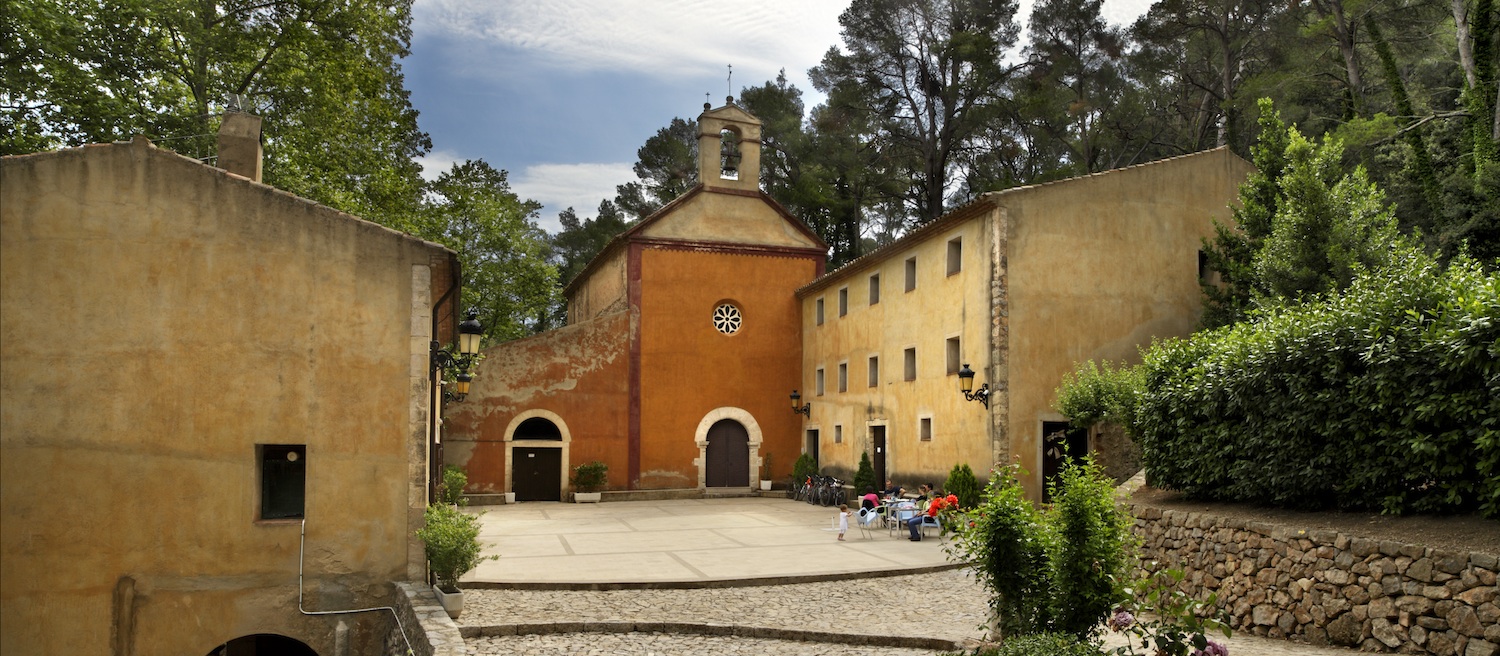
(1121, 620)
(1213, 649)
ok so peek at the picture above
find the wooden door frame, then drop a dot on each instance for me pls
(752, 430)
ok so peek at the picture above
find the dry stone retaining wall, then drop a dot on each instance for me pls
(1325, 587)
(427, 625)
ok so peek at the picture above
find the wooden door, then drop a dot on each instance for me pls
(877, 437)
(538, 473)
(728, 455)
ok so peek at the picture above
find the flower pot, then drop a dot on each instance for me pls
(453, 602)
(587, 497)
(765, 485)
(510, 498)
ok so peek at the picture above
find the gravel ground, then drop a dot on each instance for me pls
(659, 644)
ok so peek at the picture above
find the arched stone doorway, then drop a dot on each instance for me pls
(263, 644)
(536, 455)
(734, 457)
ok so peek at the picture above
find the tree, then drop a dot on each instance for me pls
(928, 75)
(472, 210)
(1075, 83)
(667, 167)
(338, 128)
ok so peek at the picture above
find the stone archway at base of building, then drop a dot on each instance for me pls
(542, 439)
(263, 644)
(752, 442)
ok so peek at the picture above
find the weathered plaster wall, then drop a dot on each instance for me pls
(1325, 587)
(688, 368)
(578, 372)
(941, 306)
(162, 318)
(1097, 267)
(602, 291)
(734, 218)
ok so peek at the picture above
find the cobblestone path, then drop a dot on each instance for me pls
(947, 605)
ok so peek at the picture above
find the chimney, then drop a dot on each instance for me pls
(239, 144)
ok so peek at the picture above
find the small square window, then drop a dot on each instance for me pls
(819, 311)
(911, 273)
(818, 381)
(925, 426)
(874, 370)
(838, 434)
(954, 353)
(955, 255)
(911, 363)
(874, 289)
(283, 480)
(843, 376)
(843, 301)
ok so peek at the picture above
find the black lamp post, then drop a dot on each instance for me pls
(966, 385)
(470, 334)
(798, 407)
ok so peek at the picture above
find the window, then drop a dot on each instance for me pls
(1203, 269)
(874, 289)
(953, 355)
(283, 480)
(911, 363)
(911, 273)
(818, 382)
(838, 434)
(727, 319)
(843, 376)
(955, 255)
(874, 370)
(924, 426)
(819, 311)
(843, 301)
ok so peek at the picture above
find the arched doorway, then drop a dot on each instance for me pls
(537, 455)
(263, 644)
(727, 457)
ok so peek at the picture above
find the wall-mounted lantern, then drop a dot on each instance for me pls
(798, 407)
(470, 334)
(966, 385)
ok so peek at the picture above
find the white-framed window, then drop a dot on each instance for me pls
(955, 255)
(924, 428)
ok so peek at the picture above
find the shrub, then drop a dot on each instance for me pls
(1092, 393)
(802, 468)
(864, 477)
(452, 544)
(590, 476)
(1007, 541)
(455, 479)
(1094, 541)
(962, 484)
(1167, 620)
(1386, 396)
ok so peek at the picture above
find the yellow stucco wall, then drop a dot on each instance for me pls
(729, 218)
(1097, 267)
(160, 319)
(940, 307)
(601, 291)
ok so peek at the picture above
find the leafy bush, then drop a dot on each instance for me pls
(452, 544)
(802, 468)
(864, 477)
(962, 484)
(1052, 571)
(589, 476)
(1093, 393)
(452, 489)
(1042, 644)
(1180, 624)
(1386, 396)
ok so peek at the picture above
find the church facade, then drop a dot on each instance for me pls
(688, 332)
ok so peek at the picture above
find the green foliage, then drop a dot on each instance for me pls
(451, 491)
(1042, 644)
(1179, 625)
(590, 476)
(1386, 396)
(962, 484)
(1053, 571)
(1093, 546)
(452, 543)
(864, 477)
(804, 466)
(1098, 392)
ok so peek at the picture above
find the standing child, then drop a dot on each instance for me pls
(843, 520)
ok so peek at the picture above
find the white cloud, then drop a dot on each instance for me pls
(559, 186)
(437, 162)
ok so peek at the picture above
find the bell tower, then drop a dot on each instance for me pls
(728, 148)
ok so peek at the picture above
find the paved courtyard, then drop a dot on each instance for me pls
(685, 565)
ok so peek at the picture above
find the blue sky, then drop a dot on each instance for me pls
(561, 93)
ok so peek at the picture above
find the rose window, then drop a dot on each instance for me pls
(727, 319)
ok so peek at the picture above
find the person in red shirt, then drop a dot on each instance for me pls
(939, 502)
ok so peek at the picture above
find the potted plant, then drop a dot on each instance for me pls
(587, 479)
(452, 543)
(765, 472)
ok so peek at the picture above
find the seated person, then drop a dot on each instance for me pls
(869, 500)
(891, 489)
(924, 492)
(914, 525)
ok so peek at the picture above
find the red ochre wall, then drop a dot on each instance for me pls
(579, 372)
(688, 368)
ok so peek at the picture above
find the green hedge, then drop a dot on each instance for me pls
(1387, 397)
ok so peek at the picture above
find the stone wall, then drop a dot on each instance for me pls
(1325, 587)
(427, 625)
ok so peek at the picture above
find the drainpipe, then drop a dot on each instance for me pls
(435, 398)
(301, 546)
